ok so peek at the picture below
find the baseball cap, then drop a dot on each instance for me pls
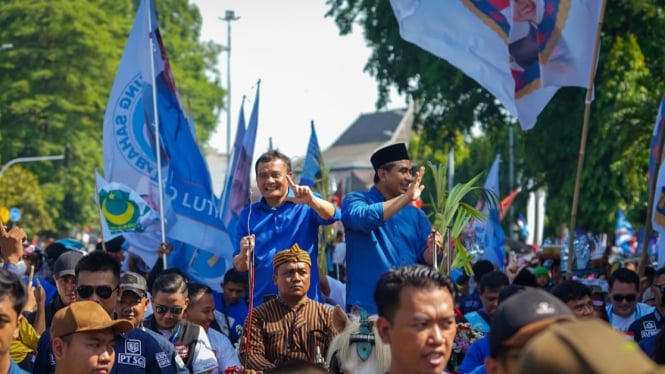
(522, 316)
(135, 283)
(585, 347)
(540, 271)
(66, 263)
(648, 295)
(116, 244)
(82, 316)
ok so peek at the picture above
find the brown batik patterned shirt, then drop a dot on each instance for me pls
(280, 333)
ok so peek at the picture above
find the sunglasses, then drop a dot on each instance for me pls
(629, 298)
(161, 309)
(104, 292)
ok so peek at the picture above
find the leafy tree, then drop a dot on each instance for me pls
(57, 77)
(629, 83)
(24, 193)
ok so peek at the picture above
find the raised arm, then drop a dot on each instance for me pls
(304, 195)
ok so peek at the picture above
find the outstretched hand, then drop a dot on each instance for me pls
(415, 188)
(11, 243)
(302, 194)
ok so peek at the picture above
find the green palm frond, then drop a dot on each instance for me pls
(451, 212)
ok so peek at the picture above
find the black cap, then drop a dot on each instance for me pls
(135, 283)
(66, 264)
(523, 315)
(393, 152)
(113, 245)
(54, 250)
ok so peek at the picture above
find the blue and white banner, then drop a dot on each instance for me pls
(130, 149)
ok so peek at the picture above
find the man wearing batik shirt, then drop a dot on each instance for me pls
(292, 326)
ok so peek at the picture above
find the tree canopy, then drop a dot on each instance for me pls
(629, 84)
(56, 78)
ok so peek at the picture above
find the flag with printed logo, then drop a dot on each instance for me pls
(521, 51)
(122, 210)
(144, 106)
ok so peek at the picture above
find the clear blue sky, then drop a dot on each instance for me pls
(307, 71)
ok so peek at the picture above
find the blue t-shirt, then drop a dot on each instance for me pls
(135, 352)
(15, 369)
(475, 355)
(276, 229)
(472, 302)
(235, 313)
(374, 246)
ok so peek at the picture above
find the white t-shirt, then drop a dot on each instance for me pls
(623, 323)
(339, 253)
(224, 351)
(204, 358)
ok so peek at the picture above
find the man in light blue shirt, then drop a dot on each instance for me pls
(383, 229)
(287, 214)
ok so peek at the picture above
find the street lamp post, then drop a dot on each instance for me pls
(229, 16)
(29, 159)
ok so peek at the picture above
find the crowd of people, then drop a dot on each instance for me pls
(71, 311)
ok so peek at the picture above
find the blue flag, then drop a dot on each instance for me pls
(311, 170)
(232, 168)
(489, 231)
(655, 147)
(142, 83)
(240, 187)
(624, 236)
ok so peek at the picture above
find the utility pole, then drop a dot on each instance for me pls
(229, 16)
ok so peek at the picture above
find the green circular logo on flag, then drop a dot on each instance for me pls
(120, 212)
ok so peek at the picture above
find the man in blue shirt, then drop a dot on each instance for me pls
(287, 214)
(383, 229)
(231, 306)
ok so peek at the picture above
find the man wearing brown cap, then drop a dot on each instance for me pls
(383, 229)
(97, 278)
(518, 319)
(292, 326)
(82, 338)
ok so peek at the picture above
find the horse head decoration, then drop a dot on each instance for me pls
(357, 349)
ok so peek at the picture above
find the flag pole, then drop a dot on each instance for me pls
(652, 195)
(156, 117)
(585, 130)
(99, 204)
